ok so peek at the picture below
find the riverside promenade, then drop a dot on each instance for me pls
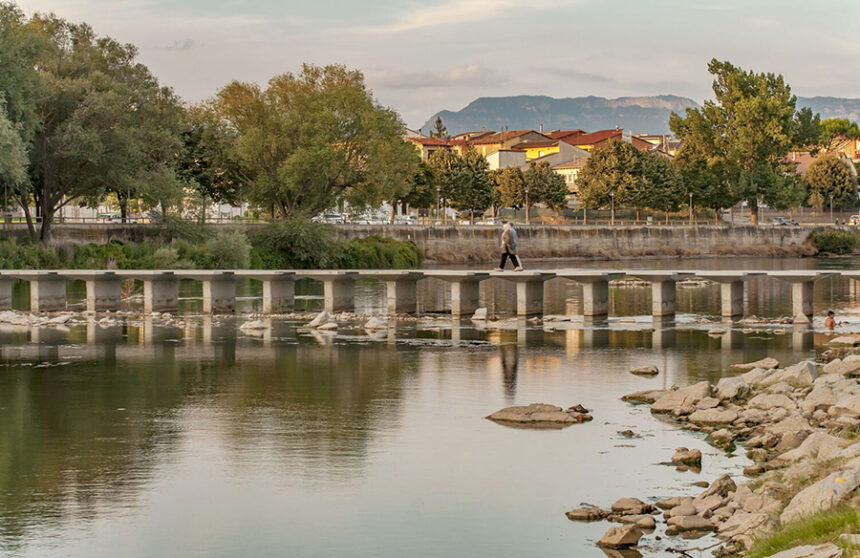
(161, 288)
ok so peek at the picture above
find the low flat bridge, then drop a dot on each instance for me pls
(161, 288)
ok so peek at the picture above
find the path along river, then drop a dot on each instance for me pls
(198, 440)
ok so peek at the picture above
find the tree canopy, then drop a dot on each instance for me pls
(309, 139)
(831, 176)
(745, 132)
(464, 180)
(13, 155)
(545, 186)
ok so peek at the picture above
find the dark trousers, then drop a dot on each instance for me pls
(505, 256)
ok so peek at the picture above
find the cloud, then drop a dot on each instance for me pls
(453, 12)
(181, 46)
(462, 76)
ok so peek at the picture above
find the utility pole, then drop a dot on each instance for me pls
(527, 203)
(612, 209)
(691, 209)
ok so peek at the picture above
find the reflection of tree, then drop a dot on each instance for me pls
(510, 362)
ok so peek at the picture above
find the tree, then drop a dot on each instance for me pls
(611, 171)
(13, 155)
(439, 129)
(659, 183)
(830, 176)
(464, 180)
(833, 130)
(421, 191)
(545, 186)
(510, 186)
(789, 191)
(102, 123)
(202, 164)
(704, 177)
(307, 140)
(749, 128)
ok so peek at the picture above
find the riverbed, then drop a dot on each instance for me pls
(151, 438)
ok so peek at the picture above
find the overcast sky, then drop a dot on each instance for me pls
(424, 56)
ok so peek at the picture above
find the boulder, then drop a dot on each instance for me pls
(539, 415)
(328, 326)
(847, 406)
(849, 367)
(791, 423)
(818, 445)
(253, 325)
(767, 401)
(722, 486)
(743, 526)
(822, 495)
(646, 396)
(712, 417)
(791, 440)
(708, 403)
(621, 536)
(802, 373)
(672, 502)
(646, 371)
(375, 324)
(684, 397)
(708, 504)
(479, 315)
(587, 513)
(821, 397)
(631, 506)
(826, 550)
(686, 508)
(722, 437)
(731, 388)
(765, 363)
(320, 319)
(853, 540)
(691, 523)
(684, 456)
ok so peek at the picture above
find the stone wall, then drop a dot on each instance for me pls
(481, 243)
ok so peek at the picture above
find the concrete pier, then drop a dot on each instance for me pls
(47, 289)
(731, 289)
(529, 289)
(219, 289)
(338, 288)
(6, 292)
(279, 289)
(401, 289)
(802, 283)
(104, 288)
(663, 289)
(160, 290)
(595, 290)
(465, 290)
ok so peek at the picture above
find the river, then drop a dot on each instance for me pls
(139, 439)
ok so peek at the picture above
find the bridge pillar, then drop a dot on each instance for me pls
(802, 286)
(663, 290)
(219, 295)
(6, 293)
(338, 288)
(595, 290)
(279, 295)
(529, 290)
(465, 290)
(104, 294)
(731, 289)
(161, 294)
(47, 291)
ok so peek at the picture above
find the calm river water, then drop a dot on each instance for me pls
(142, 440)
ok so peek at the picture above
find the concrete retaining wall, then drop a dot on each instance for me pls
(481, 243)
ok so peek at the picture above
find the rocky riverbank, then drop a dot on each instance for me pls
(800, 425)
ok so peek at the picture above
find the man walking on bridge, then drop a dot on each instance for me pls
(509, 247)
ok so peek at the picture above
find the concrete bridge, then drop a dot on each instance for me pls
(161, 288)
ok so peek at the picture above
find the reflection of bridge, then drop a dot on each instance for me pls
(161, 288)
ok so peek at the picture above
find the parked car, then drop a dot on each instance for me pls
(783, 221)
(406, 220)
(329, 218)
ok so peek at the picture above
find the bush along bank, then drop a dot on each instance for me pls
(800, 427)
(290, 245)
(835, 241)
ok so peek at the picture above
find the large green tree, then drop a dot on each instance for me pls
(13, 157)
(831, 176)
(510, 186)
(307, 140)
(95, 120)
(747, 129)
(464, 180)
(545, 186)
(660, 183)
(834, 130)
(612, 171)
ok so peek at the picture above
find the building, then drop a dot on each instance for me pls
(427, 146)
(599, 138)
(569, 170)
(505, 158)
(662, 142)
(506, 139)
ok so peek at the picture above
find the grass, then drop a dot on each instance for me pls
(816, 529)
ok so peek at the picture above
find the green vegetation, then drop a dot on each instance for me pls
(832, 241)
(831, 179)
(816, 529)
(289, 245)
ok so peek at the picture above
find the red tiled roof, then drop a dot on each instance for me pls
(572, 164)
(561, 134)
(429, 141)
(594, 137)
(499, 137)
(535, 144)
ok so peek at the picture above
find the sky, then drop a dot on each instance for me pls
(420, 57)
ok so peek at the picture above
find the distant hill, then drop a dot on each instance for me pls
(636, 114)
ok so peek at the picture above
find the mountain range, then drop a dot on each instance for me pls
(637, 114)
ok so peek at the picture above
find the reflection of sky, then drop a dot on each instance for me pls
(421, 57)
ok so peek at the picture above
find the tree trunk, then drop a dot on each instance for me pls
(754, 213)
(667, 217)
(393, 211)
(472, 217)
(637, 215)
(123, 208)
(45, 234)
(585, 216)
(31, 227)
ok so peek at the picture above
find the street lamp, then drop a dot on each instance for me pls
(691, 209)
(527, 203)
(831, 208)
(438, 192)
(612, 209)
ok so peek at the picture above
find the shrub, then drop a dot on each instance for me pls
(831, 241)
(816, 529)
(297, 243)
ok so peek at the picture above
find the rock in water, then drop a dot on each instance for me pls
(480, 314)
(621, 536)
(320, 319)
(684, 456)
(844, 341)
(646, 371)
(253, 325)
(684, 397)
(766, 363)
(631, 506)
(374, 324)
(586, 513)
(328, 326)
(539, 415)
